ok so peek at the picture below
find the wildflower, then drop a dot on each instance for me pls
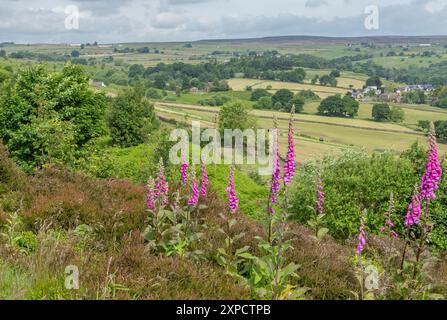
(203, 180)
(361, 237)
(233, 200)
(389, 225)
(414, 209)
(194, 196)
(276, 174)
(319, 206)
(184, 166)
(433, 171)
(289, 164)
(150, 195)
(161, 185)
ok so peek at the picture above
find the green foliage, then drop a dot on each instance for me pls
(258, 94)
(252, 195)
(47, 117)
(415, 97)
(235, 260)
(338, 106)
(298, 102)
(374, 82)
(397, 114)
(354, 180)
(335, 73)
(235, 115)
(135, 163)
(328, 80)
(283, 97)
(264, 103)
(214, 101)
(308, 95)
(440, 127)
(131, 118)
(381, 112)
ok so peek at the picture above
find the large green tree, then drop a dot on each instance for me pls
(339, 107)
(131, 118)
(235, 116)
(283, 96)
(42, 114)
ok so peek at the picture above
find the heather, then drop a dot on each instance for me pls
(353, 225)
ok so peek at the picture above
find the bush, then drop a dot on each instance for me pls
(283, 96)
(355, 180)
(381, 112)
(308, 95)
(258, 94)
(264, 103)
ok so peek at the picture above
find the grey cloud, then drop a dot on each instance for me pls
(315, 3)
(141, 20)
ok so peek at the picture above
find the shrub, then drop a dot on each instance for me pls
(353, 181)
(381, 112)
(258, 94)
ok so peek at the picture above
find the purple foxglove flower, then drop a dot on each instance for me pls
(184, 166)
(233, 201)
(319, 206)
(433, 171)
(150, 194)
(276, 174)
(161, 185)
(414, 209)
(194, 195)
(361, 237)
(204, 181)
(289, 164)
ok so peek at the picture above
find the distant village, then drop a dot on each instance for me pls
(378, 94)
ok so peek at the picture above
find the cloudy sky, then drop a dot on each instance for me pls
(106, 21)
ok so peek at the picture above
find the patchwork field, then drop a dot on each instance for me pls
(316, 135)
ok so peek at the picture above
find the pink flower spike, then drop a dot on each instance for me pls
(204, 181)
(162, 187)
(184, 166)
(433, 171)
(414, 209)
(150, 194)
(361, 237)
(194, 196)
(289, 163)
(276, 174)
(319, 206)
(233, 201)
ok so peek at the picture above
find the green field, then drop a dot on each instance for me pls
(316, 135)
